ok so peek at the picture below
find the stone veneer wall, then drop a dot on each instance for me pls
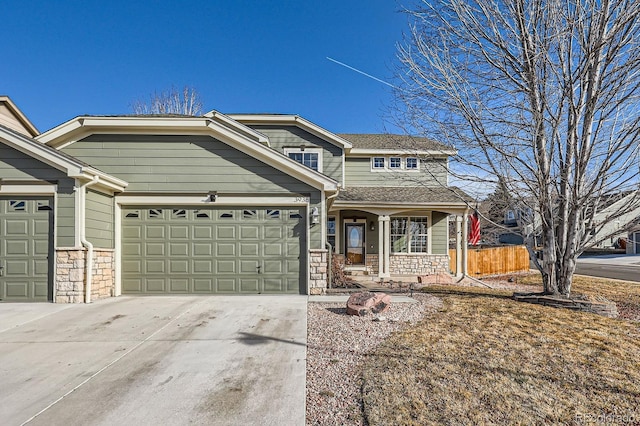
(318, 269)
(407, 264)
(70, 275)
(418, 264)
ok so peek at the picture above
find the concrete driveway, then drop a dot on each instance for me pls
(174, 360)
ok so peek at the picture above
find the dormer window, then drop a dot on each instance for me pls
(378, 163)
(310, 157)
(395, 163)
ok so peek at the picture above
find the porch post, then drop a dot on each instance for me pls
(465, 242)
(387, 244)
(381, 246)
(458, 245)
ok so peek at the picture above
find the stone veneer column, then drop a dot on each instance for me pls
(318, 271)
(70, 277)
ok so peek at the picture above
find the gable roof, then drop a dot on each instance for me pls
(292, 120)
(366, 143)
(73, 167)
(13, 118)
(215, 124)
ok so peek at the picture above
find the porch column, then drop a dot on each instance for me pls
(458, 245)
(387, 245)
(381, 247)
(465, 242)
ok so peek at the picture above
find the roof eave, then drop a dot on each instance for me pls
(29, 126)
(314, 129)
(354, 152)
(217, 125)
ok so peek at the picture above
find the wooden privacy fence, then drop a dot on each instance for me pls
(494, 260)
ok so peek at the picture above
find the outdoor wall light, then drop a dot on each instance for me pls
(315, 216)
(372, 226)
(212, 196)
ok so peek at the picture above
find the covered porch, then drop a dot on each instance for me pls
(391, 232)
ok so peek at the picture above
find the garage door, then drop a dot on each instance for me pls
(232, 250)
(24, 249)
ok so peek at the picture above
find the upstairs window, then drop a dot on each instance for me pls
(377, 163)
(412, 163)
(395, 164)
(310, 157)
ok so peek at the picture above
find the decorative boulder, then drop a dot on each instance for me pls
(365, 302)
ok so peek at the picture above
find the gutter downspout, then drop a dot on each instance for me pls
(329, 262)
(83, 238)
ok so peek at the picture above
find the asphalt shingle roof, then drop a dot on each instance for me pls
(391, 141)
(407, 195)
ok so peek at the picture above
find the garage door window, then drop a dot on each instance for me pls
(17, 206)
(155, 214)
(273, 214)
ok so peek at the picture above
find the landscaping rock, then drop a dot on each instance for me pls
(365, 302)
(602, 306)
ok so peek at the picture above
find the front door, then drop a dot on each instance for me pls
(354, 241)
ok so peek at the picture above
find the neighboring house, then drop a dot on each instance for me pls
(632, 242)
(517, 218)
(616, 207)
(103, 206)
(11, 117)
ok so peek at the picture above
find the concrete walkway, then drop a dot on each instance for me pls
(176, 360)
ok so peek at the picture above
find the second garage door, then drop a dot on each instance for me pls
(25, 229)
(168, 250)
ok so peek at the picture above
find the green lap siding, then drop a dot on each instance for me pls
(15, 165)
(183, 164)
(281, 137)
(156, 164)
(440, 243)
(433, 172)
(100, 219)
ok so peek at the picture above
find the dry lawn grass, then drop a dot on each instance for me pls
(486, 359)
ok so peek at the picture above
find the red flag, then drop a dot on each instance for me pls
(474, 234)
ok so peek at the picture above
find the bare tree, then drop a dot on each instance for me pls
(541, 95)
(173, 101)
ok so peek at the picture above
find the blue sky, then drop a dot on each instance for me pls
(64, 59)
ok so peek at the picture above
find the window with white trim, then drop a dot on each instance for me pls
(331, 231)
(410, 234)
(395, 163)
(310, 157)
(377, 162)
(412, 163)
(399, 235)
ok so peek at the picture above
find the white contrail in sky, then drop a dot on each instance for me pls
(361, 72)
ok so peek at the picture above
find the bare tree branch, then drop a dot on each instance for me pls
(173, 101)
(541, 95)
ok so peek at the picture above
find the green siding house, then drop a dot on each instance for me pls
(220, 204)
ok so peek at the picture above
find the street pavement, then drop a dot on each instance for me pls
(616, 266)
(175, 360)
